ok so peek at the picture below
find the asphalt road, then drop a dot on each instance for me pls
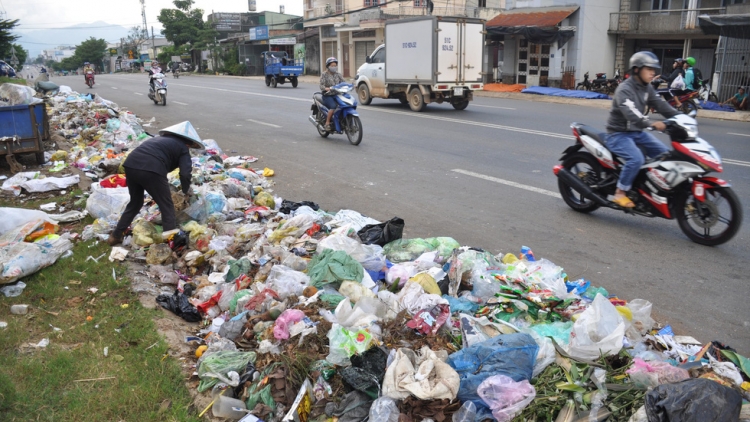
(482, 176)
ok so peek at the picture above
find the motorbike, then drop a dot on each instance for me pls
(90, 79)
(601, 83)
(176, 73)
(158, 89)
(344, 120)
(705, 93)
(585, 85)
(674, 185)
(688, 99)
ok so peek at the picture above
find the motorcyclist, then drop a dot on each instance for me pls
(155, 68)
(87, 67)
(690, 83)
(328, 79)
(627, 121)
(677, 71)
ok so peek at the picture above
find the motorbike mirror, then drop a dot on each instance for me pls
(693, 113)
(368, 59)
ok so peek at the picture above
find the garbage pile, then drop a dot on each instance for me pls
(301, 314)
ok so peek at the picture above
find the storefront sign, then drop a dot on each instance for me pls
(227, 21)
(259, 33)
(284, 41)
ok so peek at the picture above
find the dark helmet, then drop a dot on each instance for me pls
(644, 59)
(679, 60)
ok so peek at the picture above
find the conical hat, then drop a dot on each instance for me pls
(186, 131)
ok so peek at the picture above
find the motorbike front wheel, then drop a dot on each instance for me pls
(585, 167)
(353, 129)
(688, 106)
(321, 121)
(712, 222)
(164, 99)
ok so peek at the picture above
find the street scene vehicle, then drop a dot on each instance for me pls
(28, 125)
(279, 68)
(158, 89)
(673, 186)
(425, 60)
(345, 119)
(90, 79)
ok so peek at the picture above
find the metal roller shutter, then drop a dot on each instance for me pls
(362, 49)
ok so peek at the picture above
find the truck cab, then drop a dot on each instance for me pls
(372, 73)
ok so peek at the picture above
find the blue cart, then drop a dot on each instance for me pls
(278, 68)
(23, 128)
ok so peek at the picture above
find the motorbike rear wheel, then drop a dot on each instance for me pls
(295, 82)
(585, 167)
(697, 219)
(688, 106)
(353, 129)
(274, 82)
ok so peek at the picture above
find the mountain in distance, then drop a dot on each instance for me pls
(43, 39)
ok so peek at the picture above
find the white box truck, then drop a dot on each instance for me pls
(425, 60)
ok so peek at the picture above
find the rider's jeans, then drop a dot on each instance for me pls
(625, 145)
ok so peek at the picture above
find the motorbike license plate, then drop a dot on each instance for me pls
(458, 91)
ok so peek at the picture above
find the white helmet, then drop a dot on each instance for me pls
(187, 133)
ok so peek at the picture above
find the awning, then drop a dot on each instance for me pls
(732, 26)
(539, 25)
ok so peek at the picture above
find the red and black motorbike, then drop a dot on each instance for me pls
(675, 185)
(90, 78)
(688, 99)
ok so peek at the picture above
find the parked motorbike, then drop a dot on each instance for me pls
(90, 79)
(158, 89)
(344, 120)
(586, 84)
(688, 99)
(705, 93)
(672, 186)
(601, 83)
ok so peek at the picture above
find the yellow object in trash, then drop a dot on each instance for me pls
(267, 172)
(59, 155)
(200, 350)
(625, 312)
(427, 282)
(265, 199)
(509, 258)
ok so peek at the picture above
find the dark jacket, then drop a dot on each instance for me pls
(161, 155)
(630, 102)
(673, 75)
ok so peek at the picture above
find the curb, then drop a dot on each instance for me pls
(737, 116)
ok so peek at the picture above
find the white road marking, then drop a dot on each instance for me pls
(137, 93)
(738, 134)
(177, 102)
(264, 123)
(736, 162)
(114, 87)
(486, 106)
(509, 183)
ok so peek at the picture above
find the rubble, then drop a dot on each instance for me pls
(302, 314)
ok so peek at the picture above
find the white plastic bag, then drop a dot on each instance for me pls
(384, 409)
(286, 281)
(505, 397)
(16, 217)
(104, 202)
(367, 311)
(19, 259)
(641, 310)
(598, 331)
(425, 375)
(678, 83)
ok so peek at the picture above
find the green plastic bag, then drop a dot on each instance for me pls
(215, 367)
(262, 396)
(333, 267)
(237, 268)
(237, 296)
(403, 250)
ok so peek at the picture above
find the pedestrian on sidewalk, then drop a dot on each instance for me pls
(146, 169)
(739, 100)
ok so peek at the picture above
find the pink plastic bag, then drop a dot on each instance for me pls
(652, 374)
(505, 397)
(286, 320)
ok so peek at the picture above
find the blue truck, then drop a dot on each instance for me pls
(279, 68)
(23, 128)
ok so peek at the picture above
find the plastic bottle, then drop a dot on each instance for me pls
(466, 413)
(19, 309)
(223, 408)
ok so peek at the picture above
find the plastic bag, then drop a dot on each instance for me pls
(265, 199)
(693, 400)
(598, 331)
(145, 233)
(425, 375)
(104, 202)
(506, 397)
(641, 310)
(383, 233)
(678, 83)
(367, 371)
(384, 409)
(403, 250)
(237, 268)
(158, 254)
(344, 343)
(15, 94)
(286, 281)
(429, 321)
(512, 355)
(219, 366)
(467, 413)
(367, 311)
(284, 321)
(333, 267)
(651, 374)
(16, 217)
(178, 303)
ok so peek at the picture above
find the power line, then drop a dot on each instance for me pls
(81, 28)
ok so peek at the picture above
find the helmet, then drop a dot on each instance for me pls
(85, 63)
(331, 60)
(187, 133)
(690, 61)
(644, 59)
(679, 60)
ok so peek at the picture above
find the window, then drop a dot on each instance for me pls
(379, 57)
(420, 3)
(369, 3)
(482, 3)
(660, 5)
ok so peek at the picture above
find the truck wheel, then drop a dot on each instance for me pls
(268, 81)
(274, 82)
(416, 100)
(294, 82)
(461, 106)
(364, 94)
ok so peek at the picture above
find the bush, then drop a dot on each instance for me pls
(237, 69)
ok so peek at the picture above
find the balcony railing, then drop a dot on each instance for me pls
(401, 11)
(672, 21)
(325, 11)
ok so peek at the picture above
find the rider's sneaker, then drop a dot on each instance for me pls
(328, 127)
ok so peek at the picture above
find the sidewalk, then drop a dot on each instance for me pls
(737, 116)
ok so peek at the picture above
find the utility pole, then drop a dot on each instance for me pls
(153, 43)
(143, 14)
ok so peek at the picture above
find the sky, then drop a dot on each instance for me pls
(47, 14)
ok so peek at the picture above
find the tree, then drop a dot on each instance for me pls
(70, 63)
(21, 53)
(135, 39)
(6, 37)
(182, 25)
(166, 52)
(39, 60)
(92, 50)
